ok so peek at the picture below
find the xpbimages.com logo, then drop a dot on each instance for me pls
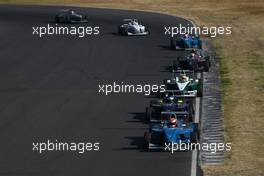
(80, 31)
(122, 87)
(212, 31)
(58, 146)
(211, 147)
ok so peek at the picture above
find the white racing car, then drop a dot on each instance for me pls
(132, 27)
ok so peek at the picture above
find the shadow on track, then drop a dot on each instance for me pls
(138, 117)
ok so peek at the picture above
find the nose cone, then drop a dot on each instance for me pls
(170, 135)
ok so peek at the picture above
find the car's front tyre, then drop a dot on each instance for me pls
(57, 19)
(148, 114)
(206, 66)
(147, 138)
(147, 31)
(173, 44)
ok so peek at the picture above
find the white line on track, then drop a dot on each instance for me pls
(196, 120)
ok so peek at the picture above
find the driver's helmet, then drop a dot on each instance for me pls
(173, 120)
(168, 99)
(171, 99)
(186, 36)
(193, 51)
(184, 77)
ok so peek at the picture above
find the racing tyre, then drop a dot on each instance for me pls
(206, 66)
(122, 31)
(147, 30)
(126, 32)
(152, 102)
(173, 44)
(147, 138)
(165, 81)
(194, 137)
(200, 44)
(191, 112)
(57, 19)
(119, 31)
(68, 20)
(195, 66)
(148, 114)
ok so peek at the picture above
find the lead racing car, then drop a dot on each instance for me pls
(173, 129)
(70, 16)
(132, 27)
(197, 60)
(183, 85)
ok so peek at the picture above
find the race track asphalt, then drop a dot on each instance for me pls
(49, 90)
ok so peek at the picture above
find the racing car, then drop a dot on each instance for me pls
(197, 60)
(185, 41)
(70, 16)
(168, 103)
(183, 85)
(174, 128)
(132, 27)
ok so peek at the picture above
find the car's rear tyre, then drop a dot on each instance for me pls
(148, 114)
(206, 66)
(165, 81)
(68, 20)
(191, 112)
(147, 138)
(147, 30)
(173, 44)
(57, 19)
(200, 45)
(152, 102)
(126, 32)
(194, 137)
(119, 30)
(195, 66)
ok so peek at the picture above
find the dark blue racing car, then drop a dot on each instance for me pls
(70, 16)
(185, 41)
(168, 103)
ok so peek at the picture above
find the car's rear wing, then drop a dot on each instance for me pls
(190, 73)
(175, 112)
(155, 146)
(181, 34)
(128, 19)
(179, 94)
(181, 71)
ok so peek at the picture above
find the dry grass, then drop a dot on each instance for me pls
(242, 69)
